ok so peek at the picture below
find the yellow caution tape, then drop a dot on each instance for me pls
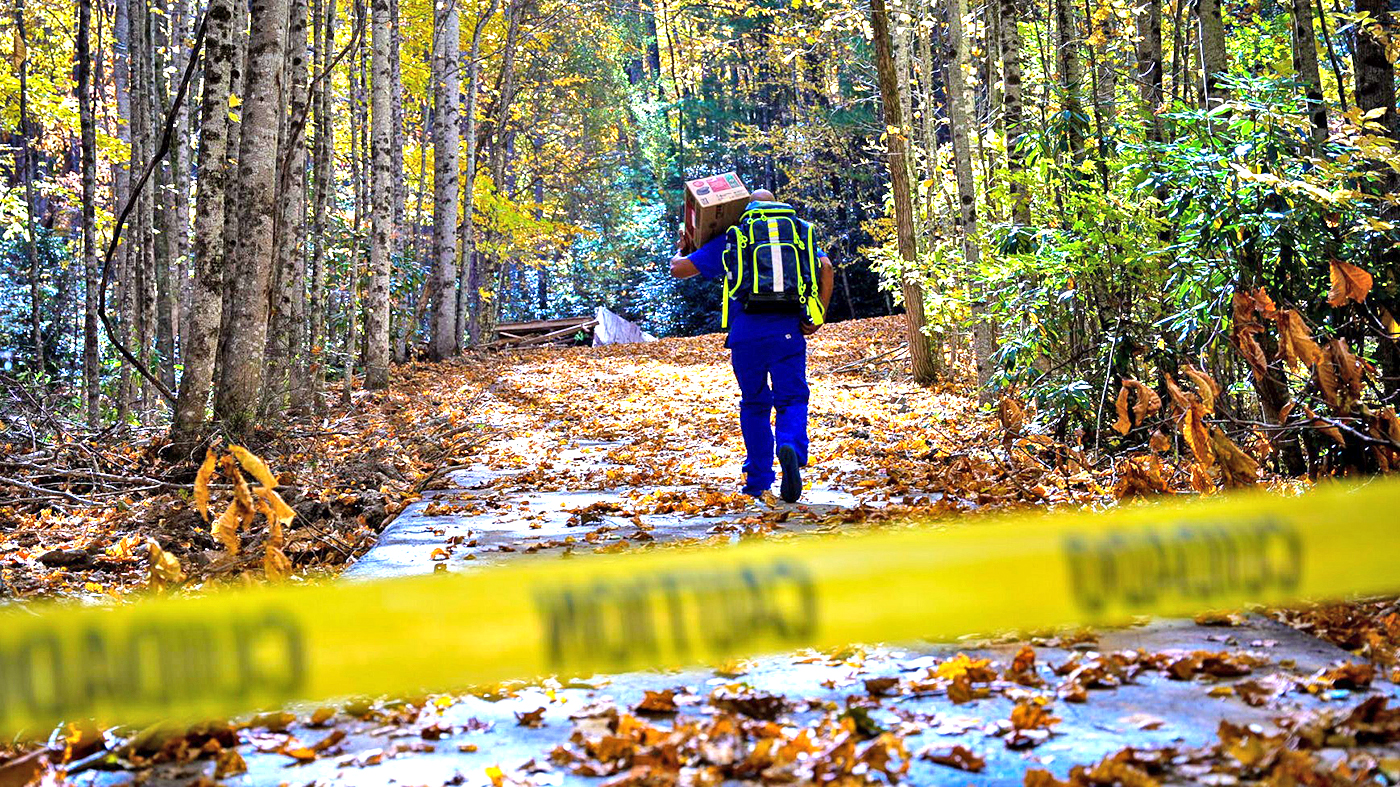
(225, 653)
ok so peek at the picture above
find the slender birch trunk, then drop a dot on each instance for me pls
(446, 166)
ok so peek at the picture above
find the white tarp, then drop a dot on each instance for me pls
(614, 329)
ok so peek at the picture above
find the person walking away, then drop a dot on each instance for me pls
(777, 286)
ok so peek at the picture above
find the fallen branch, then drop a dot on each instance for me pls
(864, 361)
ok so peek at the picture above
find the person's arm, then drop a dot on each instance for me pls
(825, 285)
(683, 268)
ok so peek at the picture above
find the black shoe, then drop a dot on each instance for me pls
(792, 474)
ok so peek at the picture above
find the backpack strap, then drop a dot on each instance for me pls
(733, 274)
(815, 312)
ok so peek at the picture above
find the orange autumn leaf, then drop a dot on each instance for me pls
(1349, 283)
(164, 569)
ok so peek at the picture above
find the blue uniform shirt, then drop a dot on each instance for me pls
(744, 327)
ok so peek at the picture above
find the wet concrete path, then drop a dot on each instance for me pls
(484, 517)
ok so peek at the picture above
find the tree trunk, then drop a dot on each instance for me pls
(285, 379)
(1013, 115)
(24, 167)
(921, 350)
(382, 194)
(1149, 66)
(324, 162)
(467, 288)
(92, 381)
(244, 340)
(1214, 59)
(446, 139)
(1375, 73)
(165, 252)
(960, 120)
(121, 188)
(1305, 65)
(1071, 78)
(221, 51)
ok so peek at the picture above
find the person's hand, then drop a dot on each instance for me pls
(809, 328)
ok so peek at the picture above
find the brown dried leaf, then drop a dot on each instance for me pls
(1206, 386)
(1193, 429)
(254, 466)
(276, 566)
(165, 568)
(225, 528)
(1295, 343)
(1236, 467)
(1349, 367)
(1349, 283)
(955, 756)
(1124, 424)
(201, 483)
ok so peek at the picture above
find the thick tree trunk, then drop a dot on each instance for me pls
(92, 380)
(1214, 59)
(244, 339)
(446, 140)
(921, 351)
(1375, 73)
(221, 51)
(1305, 65)
(382, 195)
(285, 377)
(1013, 122)
(960, 119)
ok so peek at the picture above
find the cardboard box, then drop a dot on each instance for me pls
(712, 205)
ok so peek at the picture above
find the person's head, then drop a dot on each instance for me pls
(763, 195)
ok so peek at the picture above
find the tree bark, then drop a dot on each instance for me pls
(446, 141)
(1305, 65)
(1375, 74)
(92, 381)
(244, 340)
(1071, 78)
(285, 378)
(222, 50)
(960, 120)
(921, 350)
(1149, 66)
(24, 166)
(1214, 59)
(381, 195)
(323, 161)
(467, 267)
(1013, 120)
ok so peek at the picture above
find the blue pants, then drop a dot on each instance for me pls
(783, 361)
